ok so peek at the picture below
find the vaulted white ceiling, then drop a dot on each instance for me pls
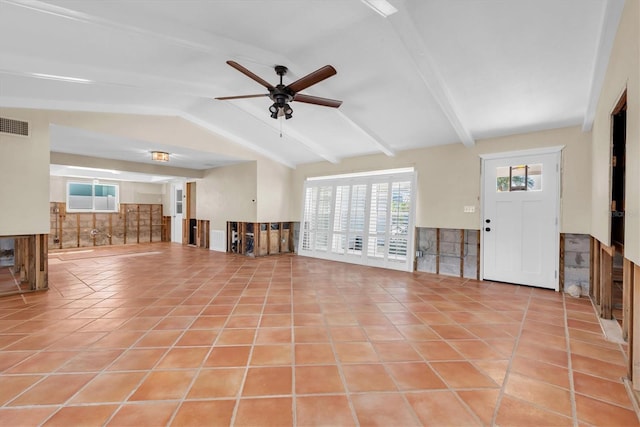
(436, 72)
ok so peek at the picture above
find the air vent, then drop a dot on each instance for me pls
(14, 127)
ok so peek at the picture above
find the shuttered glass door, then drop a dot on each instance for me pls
(360, 219)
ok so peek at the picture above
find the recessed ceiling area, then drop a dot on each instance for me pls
(435, 72)
(84, 173)
(82, 142)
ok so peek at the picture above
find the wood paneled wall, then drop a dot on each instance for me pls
(31, 260)
(260, 239)
(602, 278)
(133, 223)
(201, 230)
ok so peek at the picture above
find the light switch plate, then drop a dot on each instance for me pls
(469, 209)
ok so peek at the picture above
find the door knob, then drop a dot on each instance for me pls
(488, 221)
(487, 229)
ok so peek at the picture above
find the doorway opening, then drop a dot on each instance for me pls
(618, 166)
(191, 221)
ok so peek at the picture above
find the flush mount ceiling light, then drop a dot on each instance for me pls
(159, 156)
(383, 7)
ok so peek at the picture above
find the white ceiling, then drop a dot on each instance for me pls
(436, 72)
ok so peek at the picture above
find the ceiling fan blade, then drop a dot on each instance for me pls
(312, 78)
(224, 98)
(326, 102)
(250, 74)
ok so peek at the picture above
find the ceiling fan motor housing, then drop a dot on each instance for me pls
(280, 95)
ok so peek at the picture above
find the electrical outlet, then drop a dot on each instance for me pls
(469, 209)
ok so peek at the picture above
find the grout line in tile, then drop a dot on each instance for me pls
(574, 410)
(508, 371)
(246, 369)
(150, 370)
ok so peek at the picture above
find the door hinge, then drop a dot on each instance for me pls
(555, 274)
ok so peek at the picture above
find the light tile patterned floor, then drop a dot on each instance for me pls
(168, 335)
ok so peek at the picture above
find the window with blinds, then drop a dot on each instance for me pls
(365, 219)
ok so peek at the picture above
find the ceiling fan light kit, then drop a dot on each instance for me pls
(282, 95)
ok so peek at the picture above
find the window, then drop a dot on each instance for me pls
(519, 178)
(92, 197)
(179, 201)
(361, 218)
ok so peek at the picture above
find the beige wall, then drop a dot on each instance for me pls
(24, 177)
(223, 194)
(228, 194)
(623, 72)
(449, 177)
(274, 191)
(576, 174)
(167, 209)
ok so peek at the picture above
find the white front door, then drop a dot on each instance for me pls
(520, 215)
(176, 228)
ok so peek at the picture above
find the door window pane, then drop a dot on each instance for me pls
(323, 218)
(378, 212)
(356, 219)
(308, 229)
(179, 202)
(342, 208)
(356, 216)
(400, 213)
(340, 219)
(519, 178)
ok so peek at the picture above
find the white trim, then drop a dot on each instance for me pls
(606, 37)
(406, 30)
(531, 152)
(366, 131)
(383, 172)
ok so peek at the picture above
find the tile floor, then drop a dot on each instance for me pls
(168, 335)
(9, 284)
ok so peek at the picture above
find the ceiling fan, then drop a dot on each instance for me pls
(281, 95)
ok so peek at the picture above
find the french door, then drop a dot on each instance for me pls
(520, 229)
(365, 220)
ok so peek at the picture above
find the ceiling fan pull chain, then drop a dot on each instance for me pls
(280, 127)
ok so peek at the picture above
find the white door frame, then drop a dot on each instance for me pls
(504, 155)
